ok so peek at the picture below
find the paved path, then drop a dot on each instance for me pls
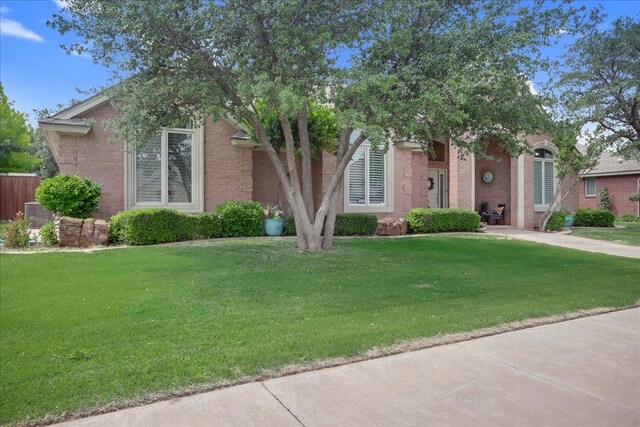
(568, 241)
(580, 372)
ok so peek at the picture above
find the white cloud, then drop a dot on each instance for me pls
(61, 3)
(531, 87)
(12, 28)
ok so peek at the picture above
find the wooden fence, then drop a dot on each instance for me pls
(16, 189)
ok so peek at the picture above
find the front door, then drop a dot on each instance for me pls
(437, 188)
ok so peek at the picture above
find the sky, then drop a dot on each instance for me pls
(37, 73)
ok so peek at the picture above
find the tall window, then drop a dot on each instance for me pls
(543, 178)
(590, 187)
(367, 177)
(164, 171)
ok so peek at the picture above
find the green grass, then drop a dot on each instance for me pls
(84, 329)
(624, 232)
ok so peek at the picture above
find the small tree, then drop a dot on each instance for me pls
(15, 139)
(605, 201)
(69, 195)
(569, 163)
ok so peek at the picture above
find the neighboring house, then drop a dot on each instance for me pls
(195, 170)
(622, 179)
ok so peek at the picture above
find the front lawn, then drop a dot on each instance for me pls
(85, 329)
(624, 232)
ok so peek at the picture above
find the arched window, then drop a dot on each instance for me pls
(544, 178)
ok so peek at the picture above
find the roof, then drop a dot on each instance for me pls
(612, 164)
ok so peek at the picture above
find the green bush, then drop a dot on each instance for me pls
(69, 195)
(423, 220)
(347, 224)
(605, 201)
(150, 226)
(594, 218)
(207, 225)
(629, 218)
(238, 218)
(157, 225)
(17, 234)
(556, 221)
(48, 233)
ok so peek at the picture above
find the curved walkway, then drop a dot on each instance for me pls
(579, 372)
(566, 240)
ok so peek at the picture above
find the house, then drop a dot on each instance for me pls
(196, 169)
(622, 179)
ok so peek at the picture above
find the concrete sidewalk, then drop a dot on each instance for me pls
(580, 372)
(566, 240)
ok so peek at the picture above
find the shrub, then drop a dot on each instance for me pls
(629, 218)
(206, 225)
(17, 234)
(605, 201)
(594, 218)
(556, 221)
(156, 225)
(239, 218)
(150, 226)
(423, 220)
(347, 224)
(48, 233)
(69, 195)
(354, 224)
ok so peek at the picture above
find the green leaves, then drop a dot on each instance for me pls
(15, 139)
(69, 195)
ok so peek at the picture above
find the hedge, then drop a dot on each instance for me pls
(238, 218)
(347, 224)
(423, 220)
(69, 195)
(556, 221)
(157, 225)
(594, 218)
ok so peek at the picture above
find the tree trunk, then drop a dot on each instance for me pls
(305, 154)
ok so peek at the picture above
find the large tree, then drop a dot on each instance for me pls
(15, 139)
(454, 69)
(600, 84)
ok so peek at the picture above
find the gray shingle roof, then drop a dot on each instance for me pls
(611, 164)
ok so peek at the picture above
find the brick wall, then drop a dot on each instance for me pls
(459, 179)
(420, 180)
(227, 169)
(93, 157)
(620, 187)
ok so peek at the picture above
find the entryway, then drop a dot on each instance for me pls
(437, 194)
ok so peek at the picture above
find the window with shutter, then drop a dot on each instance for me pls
(544, 179)
(366, 180)
(164, 172)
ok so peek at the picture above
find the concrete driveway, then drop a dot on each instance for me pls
(581, 372)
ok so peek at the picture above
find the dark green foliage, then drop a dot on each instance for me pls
(206, 225)
(48, 233)
(594, 218)
(157, 225)
(606, 199)
(150, 226)
(347, 224)
(629, 218)
(69, 195)
(423, 220)
(239, 218)
(556, 221)
(17, 234)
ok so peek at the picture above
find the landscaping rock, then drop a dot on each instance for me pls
(83, 232)
(392, 227)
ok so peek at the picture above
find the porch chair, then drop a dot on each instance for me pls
(498, 214)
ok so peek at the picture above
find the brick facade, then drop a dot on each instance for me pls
(620, 187)
(500, 189)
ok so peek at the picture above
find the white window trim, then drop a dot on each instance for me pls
(387, 206)
(544, 206)
(595, 187)
(197, 200)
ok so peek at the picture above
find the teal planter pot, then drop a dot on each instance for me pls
(568, 220)
(273, 226)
